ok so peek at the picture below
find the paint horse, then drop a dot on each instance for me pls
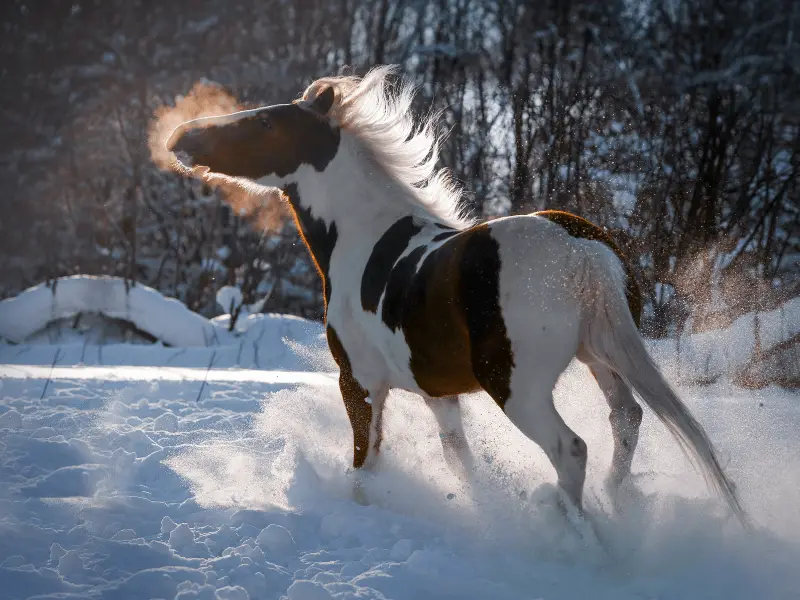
(419, 297)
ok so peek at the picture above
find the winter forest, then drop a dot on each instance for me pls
(674, 124)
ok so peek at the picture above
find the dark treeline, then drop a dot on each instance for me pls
(674, 123)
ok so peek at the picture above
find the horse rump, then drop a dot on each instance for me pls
(609, 334)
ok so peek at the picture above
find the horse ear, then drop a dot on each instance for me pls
(324, 100)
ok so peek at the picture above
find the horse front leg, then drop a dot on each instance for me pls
(359, 411)
(365, 412)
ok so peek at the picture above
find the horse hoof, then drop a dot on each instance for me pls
(620, 492)
(360, 495)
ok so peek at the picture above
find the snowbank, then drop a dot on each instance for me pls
(166, 319)
(757, 349)
(270, 342)
(41, 315)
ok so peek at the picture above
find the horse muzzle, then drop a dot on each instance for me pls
(189, 146)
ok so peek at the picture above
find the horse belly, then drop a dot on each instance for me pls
(440, 361)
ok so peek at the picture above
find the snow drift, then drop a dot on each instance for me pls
(756, 350)
(165, 319)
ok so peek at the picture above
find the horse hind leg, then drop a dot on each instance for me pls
(625, 418)
(456, 451)
(541, 353)
(531, 408)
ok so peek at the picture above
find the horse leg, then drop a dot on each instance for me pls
(454, 443)
(366, 419)
(377, 401)
(365, 413)
(535, 415)
(625, 418)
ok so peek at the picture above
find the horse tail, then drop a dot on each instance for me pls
(610, 335)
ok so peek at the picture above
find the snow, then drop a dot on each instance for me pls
(133, 488)
(166, 319)
(277, 541)
(222, 473)
(231, 298)
(708, 356)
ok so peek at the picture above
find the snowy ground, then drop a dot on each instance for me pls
(137, 482)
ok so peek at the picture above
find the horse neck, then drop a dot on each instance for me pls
(341, 214)
(361, 200)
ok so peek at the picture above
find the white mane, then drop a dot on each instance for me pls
(379, 117)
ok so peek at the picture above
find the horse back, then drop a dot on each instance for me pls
(578, 227)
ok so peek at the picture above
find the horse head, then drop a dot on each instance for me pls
(265, 146)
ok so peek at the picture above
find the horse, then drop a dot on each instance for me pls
(419, 296)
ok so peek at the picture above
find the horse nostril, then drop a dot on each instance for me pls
(184, 158)
(186, 144)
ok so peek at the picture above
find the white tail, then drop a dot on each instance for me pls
(611, 336)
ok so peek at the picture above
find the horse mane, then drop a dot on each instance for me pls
(378, 116)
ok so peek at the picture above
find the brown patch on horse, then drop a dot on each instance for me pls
(359, 411)
(318, 236)
(272, 141)
(385, 254)
(452, 321)
(581, 228)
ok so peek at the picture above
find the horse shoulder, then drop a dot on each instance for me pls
(356, 337)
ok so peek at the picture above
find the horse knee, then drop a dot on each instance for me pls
(579, 451)
(626, 417)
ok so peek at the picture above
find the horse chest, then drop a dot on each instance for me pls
(378, 357)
